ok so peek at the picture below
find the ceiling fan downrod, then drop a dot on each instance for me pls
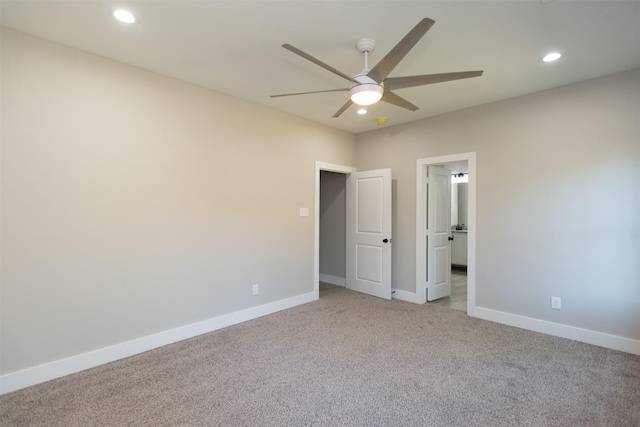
(364, 90)
(365, 46)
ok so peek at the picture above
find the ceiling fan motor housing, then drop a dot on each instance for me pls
(365, 91)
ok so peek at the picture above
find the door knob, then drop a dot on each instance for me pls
(450, 238)
(385, 241)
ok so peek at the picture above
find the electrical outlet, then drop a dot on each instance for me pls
(256, 289)
(556, 303)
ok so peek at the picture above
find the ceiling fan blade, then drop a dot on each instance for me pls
(392, 98)
(306, 93)
(393, 83)
(316, 61)
(343, 109)
(393, 58)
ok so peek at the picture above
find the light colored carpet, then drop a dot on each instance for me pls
(348, 360)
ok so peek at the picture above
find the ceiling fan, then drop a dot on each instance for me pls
(371, 86)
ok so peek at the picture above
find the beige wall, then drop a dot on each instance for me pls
(133, 203)
(558, 179)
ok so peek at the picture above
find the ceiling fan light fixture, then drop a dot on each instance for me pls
(366, 94)
(364, 90)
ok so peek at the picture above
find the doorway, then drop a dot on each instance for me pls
(333, 232)
(335, 178)
(470, 232)
(458, 298)
(368, 225)
(458, 230)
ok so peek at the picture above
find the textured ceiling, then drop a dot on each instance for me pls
(233, 47)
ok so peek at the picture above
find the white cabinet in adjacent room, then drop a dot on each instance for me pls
(459, 247)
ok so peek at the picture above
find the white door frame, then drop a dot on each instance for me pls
(321, 166)
(421, 173)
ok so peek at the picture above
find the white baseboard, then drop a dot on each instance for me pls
(332, 280)
(59, 368)
(405, 296)
(601, 339)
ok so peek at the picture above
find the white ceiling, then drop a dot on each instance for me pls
(233, 47)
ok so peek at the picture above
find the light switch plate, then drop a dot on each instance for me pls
(304, 211)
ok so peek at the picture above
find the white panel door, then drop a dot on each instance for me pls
(438, 233)
(370, 232)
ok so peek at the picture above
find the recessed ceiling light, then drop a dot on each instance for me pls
(362, 111)
(550, 57)
(124, 16)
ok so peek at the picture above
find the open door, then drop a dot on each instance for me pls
(369, 242)
(438, 233)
